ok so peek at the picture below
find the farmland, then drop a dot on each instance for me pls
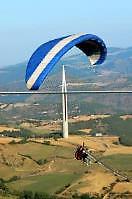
(45, 183)
(47, 164)
(71, 175)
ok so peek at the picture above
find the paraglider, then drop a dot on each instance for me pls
(48, 54)
(81, 153)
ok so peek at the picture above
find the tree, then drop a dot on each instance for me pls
(26, 195)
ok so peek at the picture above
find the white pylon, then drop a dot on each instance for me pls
(64, 105)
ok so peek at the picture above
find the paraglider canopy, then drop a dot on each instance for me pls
(48, 54)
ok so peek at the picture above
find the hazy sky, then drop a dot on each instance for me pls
(25, 24)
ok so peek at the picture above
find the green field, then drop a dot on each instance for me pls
(63, 172)
(38, 151)
(23, 160)
(120, 162)
(40, 131)
(48, 183)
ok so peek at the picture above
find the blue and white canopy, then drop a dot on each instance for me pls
(48, 54)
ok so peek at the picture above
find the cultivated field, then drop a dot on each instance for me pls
(6, 128)
(87, 118)
(44, 127)
(60, 164)
(48, 165)
(6, 140)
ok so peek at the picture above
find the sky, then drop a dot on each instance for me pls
(26, 24)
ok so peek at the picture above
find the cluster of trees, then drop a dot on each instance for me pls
(113, 125)
(42, 161)
(20, 133)
(30, 195)
(76, 126)
(25, 133)
(121, 128)
(37, 195)
(3, 187)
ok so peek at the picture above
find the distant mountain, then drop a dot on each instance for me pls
(12, 77)
(119, 60)
(118, 64)
(115, 73)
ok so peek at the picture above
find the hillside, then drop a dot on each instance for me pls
(35, 166)
(116, 73)
(118, 64)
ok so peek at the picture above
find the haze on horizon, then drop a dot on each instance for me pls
(27, 24)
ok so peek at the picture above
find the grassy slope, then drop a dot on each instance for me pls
(60, 170)
(65, 169)
(49, 183)
(120, 162)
